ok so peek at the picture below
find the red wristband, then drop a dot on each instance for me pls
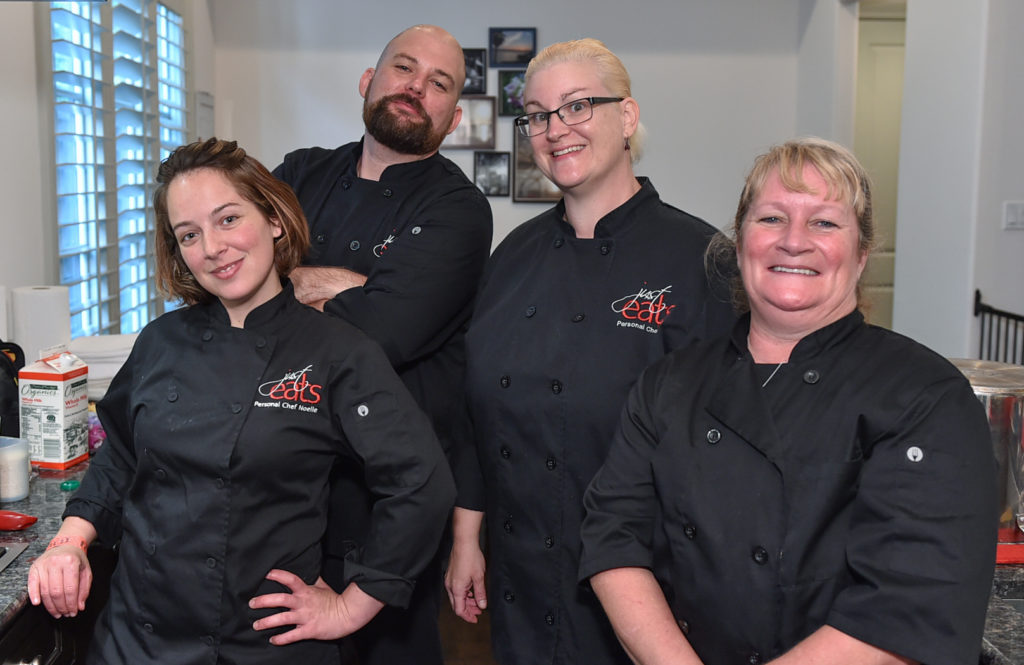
(78, 541)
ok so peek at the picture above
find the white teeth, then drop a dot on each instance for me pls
(794, 271)
(575, 148)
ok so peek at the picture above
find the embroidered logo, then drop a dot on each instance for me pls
(645, 310)
(378, 250)
(292, 392)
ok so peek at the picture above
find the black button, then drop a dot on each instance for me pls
(148, 627)
(690, 531)
(208, 640)
(549, 619)
(509, 597)
(160, 474)
(760, 555)
(754, 658)
(556, 386)
(530, 311)
(605, 249)
(505, 452)
(219, 483)
(416, 230)
(211, 562)
(811, 376)
(172, 396)
(387, 192)
(320, 238)
(207, 335)
(506, 381)
(236, 408)
(345, 184)
(151, 548)
(549, 542)
(260, 343)
(507, 526)
(559, 242)
(354, 245)
(551, 464)
(578, 317)
(714, 436)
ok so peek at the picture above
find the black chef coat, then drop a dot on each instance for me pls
(855, 489)
(215, 469)
(562, 328)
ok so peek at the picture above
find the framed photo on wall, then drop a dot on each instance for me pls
(512, 47)
(510, 91)
(476, 71)
(491, 172)
(528, 183)
(476, 129)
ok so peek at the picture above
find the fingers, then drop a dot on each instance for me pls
(285, 578)
(286, 618)
(479, 591)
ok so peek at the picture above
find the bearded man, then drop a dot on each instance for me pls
(399, 237)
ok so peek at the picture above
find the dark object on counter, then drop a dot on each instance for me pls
(12, 521)
(12, 358)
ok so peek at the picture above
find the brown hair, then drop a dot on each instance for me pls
(254, 183)
(611, 70)
(846, 179)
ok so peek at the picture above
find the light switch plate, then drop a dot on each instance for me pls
(1013, 215)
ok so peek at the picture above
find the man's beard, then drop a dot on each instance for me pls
(399, 132)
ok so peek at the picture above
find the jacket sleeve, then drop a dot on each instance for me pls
(921, 548)
(419, 293)
(111, 471)
(404, 469)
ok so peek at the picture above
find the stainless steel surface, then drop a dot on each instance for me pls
(10, 552)
(1000, 387)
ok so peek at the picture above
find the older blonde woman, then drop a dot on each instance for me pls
(812, 489)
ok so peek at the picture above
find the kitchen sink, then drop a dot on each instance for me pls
(9, 551)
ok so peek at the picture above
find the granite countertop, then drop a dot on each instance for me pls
(46, 501)
(1003, 643)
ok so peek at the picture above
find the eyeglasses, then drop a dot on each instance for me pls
(571, 113)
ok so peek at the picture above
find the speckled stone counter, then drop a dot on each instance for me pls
(46, 501)
(1004, 627)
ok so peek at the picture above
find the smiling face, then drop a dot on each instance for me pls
(411, 97)
(227, 243)
(800, 257)
(586, 156)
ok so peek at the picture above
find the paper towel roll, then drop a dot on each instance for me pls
(41, 318)
(5, 313)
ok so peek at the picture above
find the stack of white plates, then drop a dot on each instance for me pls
(104, 354)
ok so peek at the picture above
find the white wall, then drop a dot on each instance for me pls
(959, 158)
(23, 224)
(716, 82)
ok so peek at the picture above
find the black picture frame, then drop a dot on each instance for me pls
(477, 128)
(510, 92)
(511, 48)
(491, 171)
(529, 184)
(476, 71)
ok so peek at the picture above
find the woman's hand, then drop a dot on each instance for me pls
(61, 577)
(464, 579)
(317, 612)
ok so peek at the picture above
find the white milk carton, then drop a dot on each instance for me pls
(55, 410)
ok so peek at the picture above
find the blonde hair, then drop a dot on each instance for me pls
(847, 181)
(611, 70)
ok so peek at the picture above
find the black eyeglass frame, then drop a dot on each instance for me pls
(522, 122)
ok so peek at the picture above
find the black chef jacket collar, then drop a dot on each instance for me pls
(812, 344)
(617, 221)
(268, 315)
(396, 174)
